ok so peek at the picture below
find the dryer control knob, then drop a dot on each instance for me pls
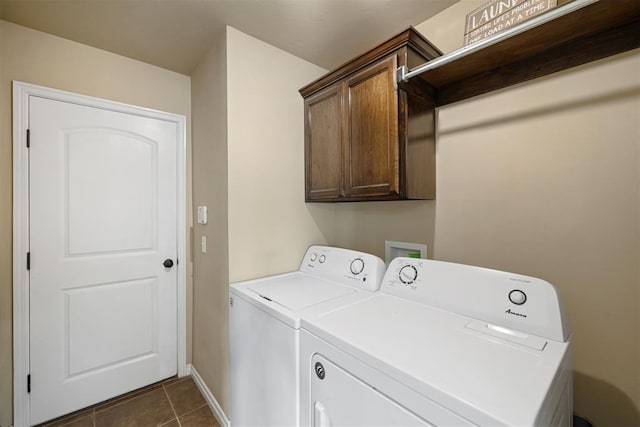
(517, 297)
(313, 256)
(408, 274)
(322, 259)
(357, 265)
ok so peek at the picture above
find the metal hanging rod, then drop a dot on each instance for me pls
(404, 74)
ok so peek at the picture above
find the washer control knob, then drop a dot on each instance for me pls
(357, 265)
(517, 297)
(322, 259)
(314, 256)
(408, 274)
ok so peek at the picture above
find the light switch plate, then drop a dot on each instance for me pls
(202, 214)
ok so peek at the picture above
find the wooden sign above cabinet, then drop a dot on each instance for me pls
(366, 136)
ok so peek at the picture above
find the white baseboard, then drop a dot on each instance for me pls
(213, 403)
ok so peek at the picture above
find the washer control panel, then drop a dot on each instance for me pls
(357, 266)
(500, 298)
(345, 266)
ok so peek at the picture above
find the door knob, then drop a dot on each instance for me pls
(168, 263)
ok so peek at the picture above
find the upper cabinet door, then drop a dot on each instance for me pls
(371, 131)
(323, 145)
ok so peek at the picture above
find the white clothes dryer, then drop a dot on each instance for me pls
(440, 344)
(264, 327)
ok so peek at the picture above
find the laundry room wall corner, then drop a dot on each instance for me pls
(269, 222)
(62, 64)
(248, 166)
(6, 258)
(211, 273)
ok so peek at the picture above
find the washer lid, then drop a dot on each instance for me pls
(299, 291)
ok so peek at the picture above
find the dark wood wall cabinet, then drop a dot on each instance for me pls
(368, 137)
(365, 137)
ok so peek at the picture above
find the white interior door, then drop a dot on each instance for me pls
(103, 203)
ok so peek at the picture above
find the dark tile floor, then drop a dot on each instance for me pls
(175, 402)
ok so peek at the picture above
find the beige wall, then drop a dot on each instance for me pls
(270, 226)
(35, 57)
(211, 273)
(542, 179)
(556, 162)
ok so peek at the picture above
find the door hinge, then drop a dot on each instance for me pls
(29, 383)
(28, 260)
(28, 138)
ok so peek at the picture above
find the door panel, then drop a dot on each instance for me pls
(323, 144)
(96, 338)
(130, 163)
(103, 217)
(371, 161)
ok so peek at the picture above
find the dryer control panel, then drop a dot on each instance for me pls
(345, 266)
(508, 300)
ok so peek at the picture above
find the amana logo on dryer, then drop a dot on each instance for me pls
(515, 313)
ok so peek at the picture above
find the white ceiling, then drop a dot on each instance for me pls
(174, 34)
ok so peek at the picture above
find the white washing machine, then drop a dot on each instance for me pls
(440, 344)
(264, 329)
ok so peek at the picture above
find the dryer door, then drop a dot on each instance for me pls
(340, 399)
